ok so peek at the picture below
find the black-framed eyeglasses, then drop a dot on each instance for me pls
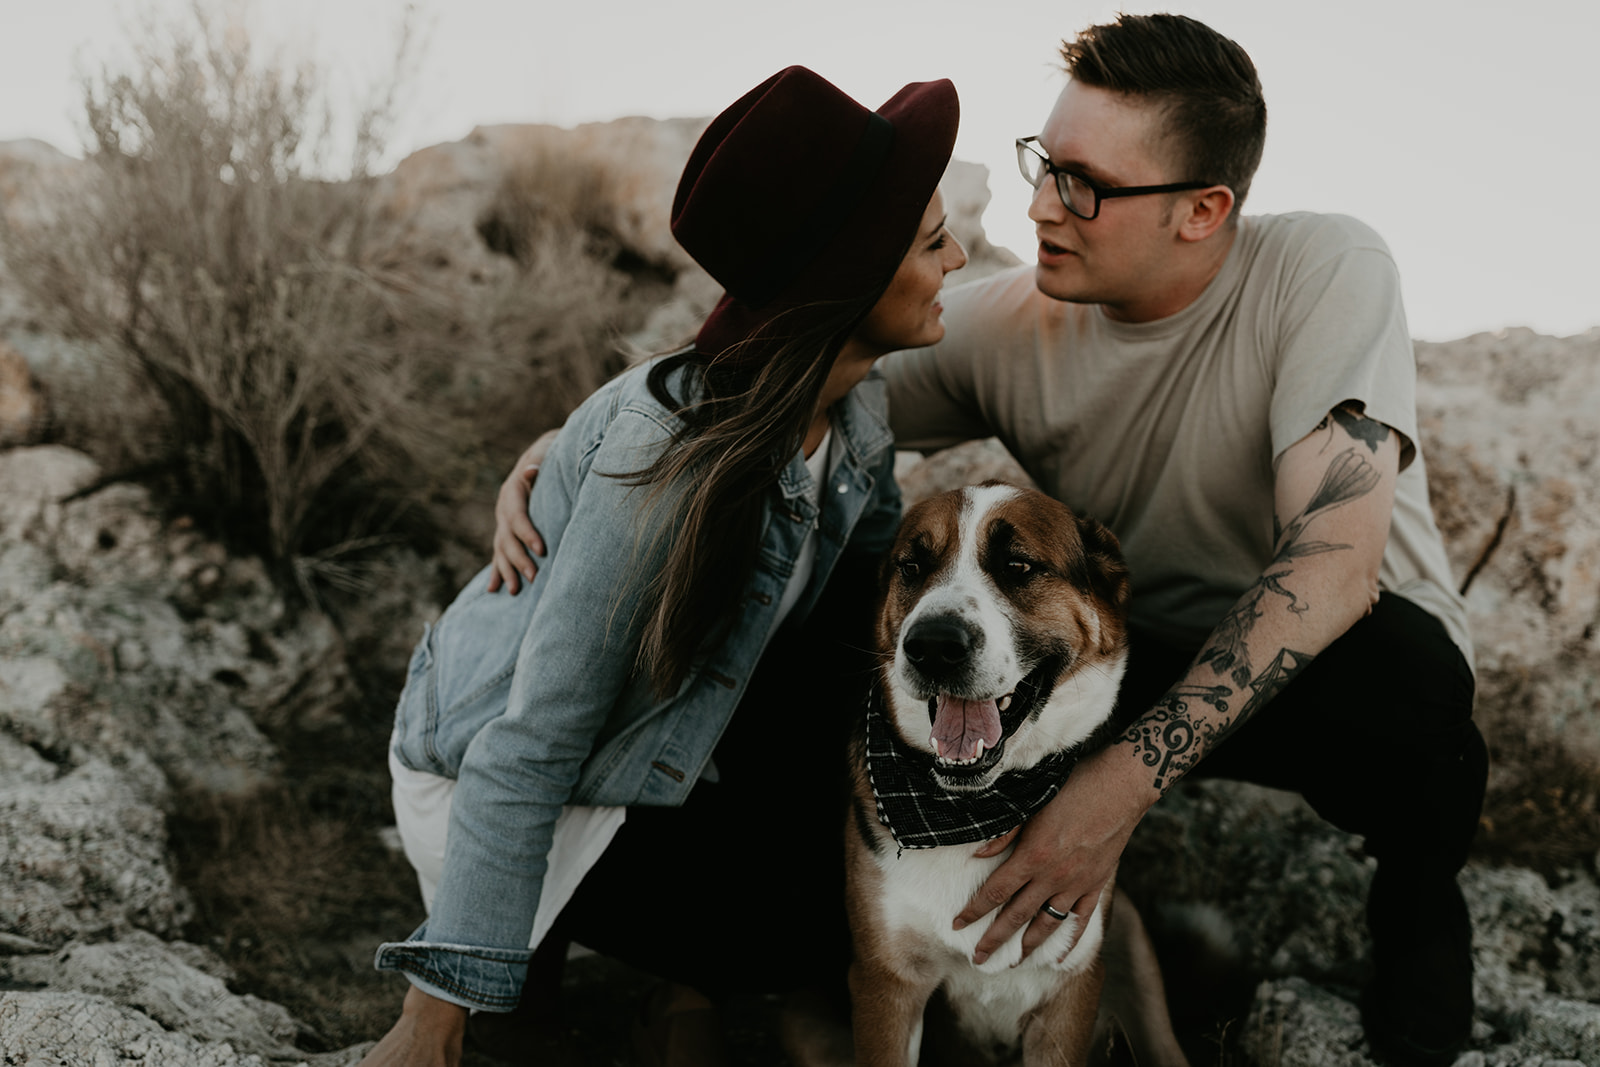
(1081, 195)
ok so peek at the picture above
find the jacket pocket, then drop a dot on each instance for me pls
(465, 675)
(416, 715)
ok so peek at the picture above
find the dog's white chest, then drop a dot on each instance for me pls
(924, 890)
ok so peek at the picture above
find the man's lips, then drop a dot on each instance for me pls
(1051, 252)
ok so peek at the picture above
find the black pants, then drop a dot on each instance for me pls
(742, 888)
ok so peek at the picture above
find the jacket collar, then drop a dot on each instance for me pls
(862, 430)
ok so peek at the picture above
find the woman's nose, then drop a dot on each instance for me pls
(956, 255)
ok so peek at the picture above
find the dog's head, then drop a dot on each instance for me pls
(1003, 630)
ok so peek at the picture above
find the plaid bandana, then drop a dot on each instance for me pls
(922, 815)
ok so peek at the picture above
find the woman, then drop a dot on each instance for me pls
(688, 508)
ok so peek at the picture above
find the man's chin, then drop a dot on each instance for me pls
(1054, 282)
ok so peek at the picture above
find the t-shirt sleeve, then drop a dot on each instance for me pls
(931, 398)
(935, 393)
(1342, 337)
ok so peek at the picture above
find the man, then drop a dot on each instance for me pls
(1234, 397)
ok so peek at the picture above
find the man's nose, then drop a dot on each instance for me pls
(1046, 205)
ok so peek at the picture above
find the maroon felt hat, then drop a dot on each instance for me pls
(797, 194)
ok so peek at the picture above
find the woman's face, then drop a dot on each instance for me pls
(907, 315)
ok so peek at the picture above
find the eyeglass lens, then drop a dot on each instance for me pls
(1075, 193)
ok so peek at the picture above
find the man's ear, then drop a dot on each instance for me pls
(1208, 213)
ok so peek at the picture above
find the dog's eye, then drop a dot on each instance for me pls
(1019, 567)
(909, 569)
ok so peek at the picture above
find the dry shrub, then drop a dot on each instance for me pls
(218, 259)
(553, 323)
(313, 393)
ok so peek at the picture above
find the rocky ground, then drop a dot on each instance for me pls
(190, 766)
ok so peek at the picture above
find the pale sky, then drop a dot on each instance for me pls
(1467, 133)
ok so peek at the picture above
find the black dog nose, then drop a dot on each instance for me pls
(939, 646)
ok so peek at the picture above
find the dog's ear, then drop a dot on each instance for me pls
(884, 634)
(1106, 570)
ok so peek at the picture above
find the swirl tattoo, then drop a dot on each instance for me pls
(1166, 738)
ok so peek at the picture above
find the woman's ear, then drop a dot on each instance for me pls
(1208, 211)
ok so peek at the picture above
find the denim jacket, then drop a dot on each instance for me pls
(531, 701)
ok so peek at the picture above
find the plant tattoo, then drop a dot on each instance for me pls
(1167, 738)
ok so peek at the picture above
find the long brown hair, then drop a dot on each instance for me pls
(744, 412)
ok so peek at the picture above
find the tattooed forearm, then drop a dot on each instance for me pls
(1348, 477)
(1340, 469)
(1283, 669)
(1173, 736)
(1228, 650)
(1166, 738)
(1171, 740)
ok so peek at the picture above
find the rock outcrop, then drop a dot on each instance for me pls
(183, 987)
(31, 174)
(136, 660)
(1512, 424)
(1282, 894)
(617, 175)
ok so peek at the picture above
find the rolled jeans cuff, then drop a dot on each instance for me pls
(472, 976)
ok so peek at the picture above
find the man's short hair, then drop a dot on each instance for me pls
(1214, 113)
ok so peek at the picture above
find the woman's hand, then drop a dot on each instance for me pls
(516, 541)
(428, 1034)
(1064, 856)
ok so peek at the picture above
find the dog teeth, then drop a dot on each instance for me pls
(1003, 703)
(969, 761)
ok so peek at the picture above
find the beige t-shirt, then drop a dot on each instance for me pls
(1169, 431)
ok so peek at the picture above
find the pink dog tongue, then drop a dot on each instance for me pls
(959, 724)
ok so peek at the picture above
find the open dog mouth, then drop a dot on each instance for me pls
(969, 736)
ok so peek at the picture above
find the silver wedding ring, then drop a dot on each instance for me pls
(1058, 916)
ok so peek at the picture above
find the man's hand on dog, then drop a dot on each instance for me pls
(516, 541)
(1064, 855)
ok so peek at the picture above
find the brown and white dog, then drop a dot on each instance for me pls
(1003, 640)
